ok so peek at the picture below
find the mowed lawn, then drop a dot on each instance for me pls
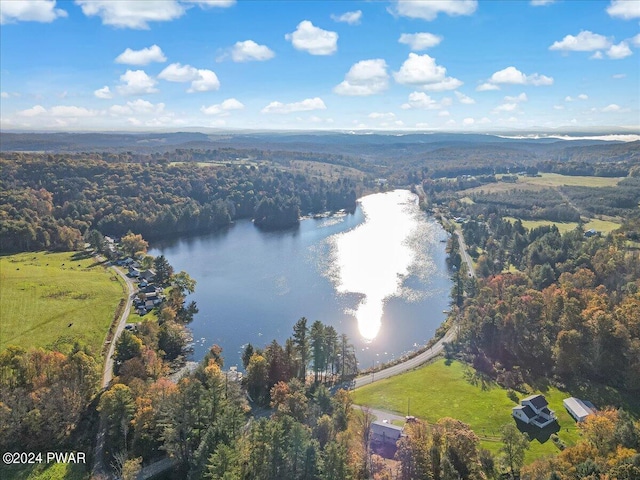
(437, 390)
(46, 297)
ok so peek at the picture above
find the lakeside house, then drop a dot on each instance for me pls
(534, 410)
(578, 409)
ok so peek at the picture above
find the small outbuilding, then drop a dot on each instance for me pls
(577, 408)
(385, 433)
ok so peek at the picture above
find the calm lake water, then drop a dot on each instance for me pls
(378, 275)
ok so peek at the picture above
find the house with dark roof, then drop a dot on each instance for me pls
(534, 410)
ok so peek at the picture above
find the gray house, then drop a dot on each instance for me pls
(385, 433)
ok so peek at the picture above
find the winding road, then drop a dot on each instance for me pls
(99, 470)
(409, 364)
(107, 374)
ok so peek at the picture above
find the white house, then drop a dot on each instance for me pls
(534, 410)
(385, 433)
(578, 409)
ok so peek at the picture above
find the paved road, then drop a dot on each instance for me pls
(107, 374)
(464, 254)
(410, 364)
(382, 415)
(99, 470)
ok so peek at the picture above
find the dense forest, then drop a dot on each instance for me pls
(51, 202)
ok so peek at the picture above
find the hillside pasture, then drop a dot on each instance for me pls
(52, 297)
(545, 180)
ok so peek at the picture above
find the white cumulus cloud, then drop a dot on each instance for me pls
(621, 50)
(635, 41)
(206, 81)
(201, 80)
(585, 41)
(35, 111)
(511, 75)
(422, 71)
(520, 98)
(462, 98)
(366, 77)
(177, 72)
(352, 18)
(307, 104)
(429, 10)
(541, 3)
(381, 115)
(249, 50)
(223, 109)
(71, 111)
(582, 96)
(420, 41)
(420, 100)
(104, 92)
(468, 121)
(486, 86)
(313, 40)
(141, 57)
(136, 82)
(64, 111)
(43, 11)
(625, 9)
(612, 108)
(138, 106)
(132, 13)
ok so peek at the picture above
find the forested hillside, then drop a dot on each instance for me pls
(52, 201)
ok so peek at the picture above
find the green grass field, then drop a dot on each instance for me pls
(437, 390)
(46, 297)
(545, 180)
(53, 471)
(603, 226)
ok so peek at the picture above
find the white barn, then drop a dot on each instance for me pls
(578, 409)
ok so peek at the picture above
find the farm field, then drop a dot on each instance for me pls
(603, 226)
(48, 297)
(437, 390)
(545, 180)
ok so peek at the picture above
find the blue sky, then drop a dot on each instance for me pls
(458, 65)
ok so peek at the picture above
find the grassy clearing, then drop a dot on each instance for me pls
(604, 226)
(546, 180)
(51, 296)
(44, 471)
(438, 390)
(557, 180)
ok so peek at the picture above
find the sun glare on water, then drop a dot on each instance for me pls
(373, 259)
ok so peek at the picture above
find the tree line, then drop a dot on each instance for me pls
(52, 201)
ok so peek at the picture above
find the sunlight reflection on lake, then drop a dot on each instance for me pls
(374, 259)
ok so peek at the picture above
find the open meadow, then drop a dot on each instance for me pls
(439, 390)
(602, 226)
(546, 180)
(52, 297)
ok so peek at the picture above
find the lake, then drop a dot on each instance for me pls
(379, 275)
